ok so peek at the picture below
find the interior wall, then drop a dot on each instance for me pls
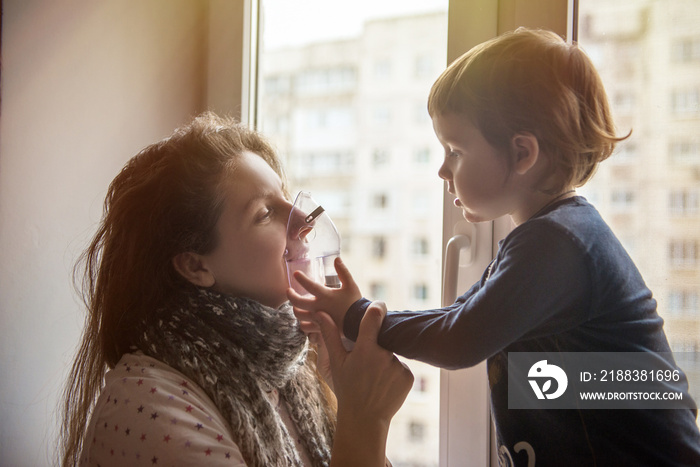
(85, 85)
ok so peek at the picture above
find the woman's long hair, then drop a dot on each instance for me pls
(165, 201)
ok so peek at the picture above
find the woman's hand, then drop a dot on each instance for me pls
(334, 301)
(323, 364)
(371, 384)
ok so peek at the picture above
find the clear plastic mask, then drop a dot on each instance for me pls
(313, 243)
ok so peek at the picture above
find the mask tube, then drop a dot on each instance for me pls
(313, 243)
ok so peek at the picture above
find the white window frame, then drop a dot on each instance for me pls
(466, 434)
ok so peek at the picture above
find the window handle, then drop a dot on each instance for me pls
(453, 257)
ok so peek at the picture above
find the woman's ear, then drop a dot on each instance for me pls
(192, 267)
(526, 151)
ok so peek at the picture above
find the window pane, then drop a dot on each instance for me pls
(343, 89)
(648, 54)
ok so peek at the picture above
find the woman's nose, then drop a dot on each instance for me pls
(298, 228)
(304, 231)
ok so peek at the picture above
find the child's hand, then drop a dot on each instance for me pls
(335, 302)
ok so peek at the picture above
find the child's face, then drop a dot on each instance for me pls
(475, 172)
(248, 260)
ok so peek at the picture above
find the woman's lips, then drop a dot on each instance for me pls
(296, 250)
(458, 203)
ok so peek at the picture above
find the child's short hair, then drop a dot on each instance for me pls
(533, 81)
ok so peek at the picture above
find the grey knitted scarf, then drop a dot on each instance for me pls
(236, 350)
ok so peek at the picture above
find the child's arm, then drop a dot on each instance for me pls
(334, 301)
(540, 285)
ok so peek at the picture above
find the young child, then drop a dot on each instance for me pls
(191, 354)
(524, 120)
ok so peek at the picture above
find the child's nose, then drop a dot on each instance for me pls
(444, 173)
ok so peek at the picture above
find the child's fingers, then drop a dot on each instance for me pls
(309, 284)
(344, 273)
(299, 301)
(304, 315)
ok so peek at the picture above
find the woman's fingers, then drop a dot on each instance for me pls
(370, 325)
(309, 327)
(334, 345)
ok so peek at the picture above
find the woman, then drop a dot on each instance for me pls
(191, 354)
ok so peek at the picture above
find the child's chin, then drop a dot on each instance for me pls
(474, 218)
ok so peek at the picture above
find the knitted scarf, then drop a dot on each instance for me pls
(236, 350)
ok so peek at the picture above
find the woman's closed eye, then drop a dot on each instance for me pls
(264, 215)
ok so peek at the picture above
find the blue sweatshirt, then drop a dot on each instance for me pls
(561, 282)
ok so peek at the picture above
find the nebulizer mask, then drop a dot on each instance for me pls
(313, 243)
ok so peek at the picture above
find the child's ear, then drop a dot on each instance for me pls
(192, 267)
(526, 151)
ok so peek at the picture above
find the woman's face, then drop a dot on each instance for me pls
(248, 260)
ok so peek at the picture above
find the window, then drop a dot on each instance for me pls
(624, 102)
(381, 115)
(324, 163)
(686, 50)
(378, 290)
(276, 85)
(685, 102)
(420, 205)
(421, 115)
(380, 157)
(683, 303)
(378, 247)
(351, 80)
(380, 201)
(685, 151)
(382, 69)
(625, 152)
(420, 292)
(683, 253)
(420, 246)
(425, 66)
(421, 156)
(326, 81)
(416, 431)
(622, 199)
(684, 202)
(420, 384)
